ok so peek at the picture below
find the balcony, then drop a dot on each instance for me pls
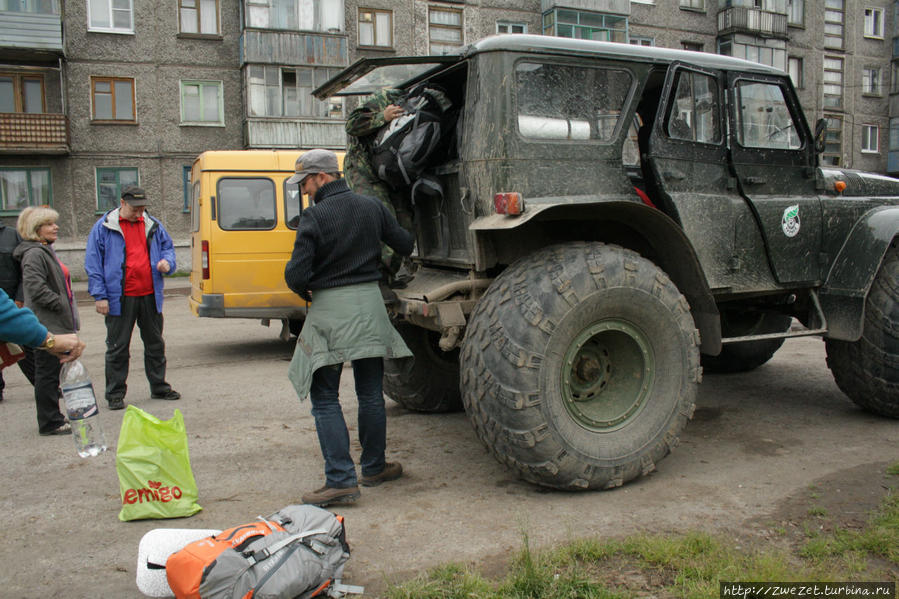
(31, 36)
(288, 48)
(24, 133)
(739, 19)
(292, 133)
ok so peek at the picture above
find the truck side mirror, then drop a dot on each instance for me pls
(820, 129)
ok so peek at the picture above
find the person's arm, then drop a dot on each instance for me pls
(20, 325)
(167, 251)
(374, 113)
(298, 271)
(93, 264)
(395, 235)
(34, 279)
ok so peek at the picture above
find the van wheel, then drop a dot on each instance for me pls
(867, 370)
(295, 325)
(749, 355)
(429, 380)
(581, 366)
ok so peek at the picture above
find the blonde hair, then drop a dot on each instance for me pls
(32, 218)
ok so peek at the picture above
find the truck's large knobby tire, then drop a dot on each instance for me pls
(867, 370)
(428, 381)
(580, 366)
(749, 355)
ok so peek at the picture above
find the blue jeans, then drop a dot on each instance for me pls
(340, 472)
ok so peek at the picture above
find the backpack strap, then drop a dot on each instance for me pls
(254, 557)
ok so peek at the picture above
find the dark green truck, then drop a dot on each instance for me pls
(613, 220)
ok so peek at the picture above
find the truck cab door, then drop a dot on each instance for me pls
(772, 153)
(684, 156)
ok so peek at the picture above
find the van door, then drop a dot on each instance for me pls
(773, 158)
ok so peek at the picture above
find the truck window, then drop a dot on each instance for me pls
(246, 204)
(292, 200)
(565, 102)
(763, 118)
(695, 112)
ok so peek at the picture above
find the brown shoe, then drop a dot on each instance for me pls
(328, 495)
(392, 471)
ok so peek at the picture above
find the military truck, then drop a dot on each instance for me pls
(612, 219)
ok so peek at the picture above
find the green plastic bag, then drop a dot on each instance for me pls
(153, 465)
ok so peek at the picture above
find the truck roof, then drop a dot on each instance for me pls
(546, 44)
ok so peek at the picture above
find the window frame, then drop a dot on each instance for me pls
(507, 23)
(112, 81)
(875, 22)
(374, 27)
(867, 138)
(18, 83)
(199, 20)
(825, 83)
(791, 11)
(838, 140)
(440, 26)
(202, 84)
(692, 5)
(872, 85)
(109, 13)
(118, 170)
(829, 11)
(799, 61)
(32, 201)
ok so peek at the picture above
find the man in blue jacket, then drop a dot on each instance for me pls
(127, 254)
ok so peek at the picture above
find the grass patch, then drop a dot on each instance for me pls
(680, 565)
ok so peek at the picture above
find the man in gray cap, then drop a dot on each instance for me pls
(335, 265)
(129, 236)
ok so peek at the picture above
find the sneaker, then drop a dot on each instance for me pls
(328, 495)
(171, 394)
(116, 404)
(392, 471)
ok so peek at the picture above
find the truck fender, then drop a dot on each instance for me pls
(852, 272)
(673, 251)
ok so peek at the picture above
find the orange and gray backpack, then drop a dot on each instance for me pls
(296, 553)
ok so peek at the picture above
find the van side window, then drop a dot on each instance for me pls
(195, 207)
(695, 112)
(566, 102)
(763, 117)
(292, 201)
(246, 204)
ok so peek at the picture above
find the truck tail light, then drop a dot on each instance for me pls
(509, 202)
(204, 258)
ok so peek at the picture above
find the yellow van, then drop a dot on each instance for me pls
(243, 224)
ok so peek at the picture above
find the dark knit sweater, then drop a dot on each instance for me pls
(339, 240)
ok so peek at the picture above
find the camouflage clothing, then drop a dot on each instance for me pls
(362, 125)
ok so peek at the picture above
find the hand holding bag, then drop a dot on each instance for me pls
(153, 465)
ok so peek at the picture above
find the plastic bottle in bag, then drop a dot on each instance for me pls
(81, 409)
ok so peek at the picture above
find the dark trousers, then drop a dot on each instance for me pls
(26, 365)
(46, 391)
(333, 437)
(140, 310)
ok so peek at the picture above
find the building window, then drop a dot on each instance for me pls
(870, 139)
(110, 183)
(796, 12)
(794, 66)
(833, 82)
(112, 99)
(774, 55)
(185, 185)
(509, 27)
(692, 46)
(296, 15)
(277, 92)
(22, 93)
(199, 16)
(585, 25)
(833, 141)
(693, 4)
(110, 16)
(639, 40)
(36, 7)
(444, 30)
(375, 27)
(874, 23)
(202, 103)
(22, 187)
(894, 134)
(833, 24)
(894, 78)
(871, 81)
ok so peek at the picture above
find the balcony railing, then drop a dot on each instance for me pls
(24, 133)
(752, 20)
(286, 48)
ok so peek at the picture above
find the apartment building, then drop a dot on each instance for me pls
(99, 94)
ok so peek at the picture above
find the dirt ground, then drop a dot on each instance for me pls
(761, 448)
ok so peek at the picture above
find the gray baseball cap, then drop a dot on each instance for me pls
(312, 162)
(134, 195)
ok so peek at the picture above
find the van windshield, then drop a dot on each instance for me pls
(246, 204)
